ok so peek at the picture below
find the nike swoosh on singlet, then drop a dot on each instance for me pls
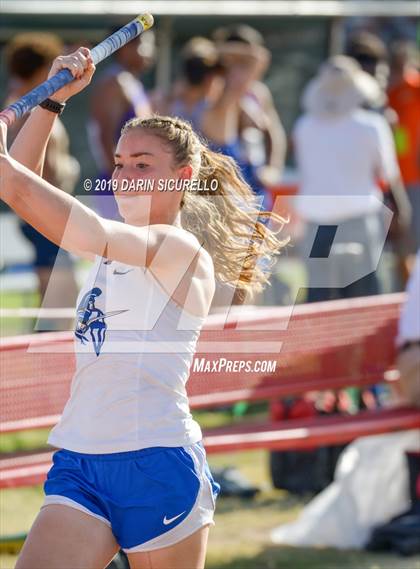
(167, 522)
(122, 272)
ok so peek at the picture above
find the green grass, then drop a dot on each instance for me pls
(16, 326)
(37, 438)
(13, 299)
(226, 416)
(19, 507)
(24, 440)
(292, 273)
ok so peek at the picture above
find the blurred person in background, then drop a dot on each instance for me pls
(28, 59)
(343, 151)
(118, 96)
(262, 138)
(404, 98)
(368, 49)
(408, 340)
(260, 127)
(200, 84)
(371, 54)
(401, 533)
(216, 94)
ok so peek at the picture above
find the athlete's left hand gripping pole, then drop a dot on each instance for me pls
(64, 76)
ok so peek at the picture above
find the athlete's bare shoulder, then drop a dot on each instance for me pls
(184, 267)
(182, 239)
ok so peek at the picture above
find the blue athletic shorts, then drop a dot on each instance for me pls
(150, 498)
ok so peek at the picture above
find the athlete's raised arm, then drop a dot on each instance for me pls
(73, 226)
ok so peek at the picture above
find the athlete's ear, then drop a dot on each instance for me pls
(185, 173)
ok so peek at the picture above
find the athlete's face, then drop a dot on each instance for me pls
(142, 164)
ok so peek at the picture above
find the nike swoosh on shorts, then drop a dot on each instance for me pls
(167, 522)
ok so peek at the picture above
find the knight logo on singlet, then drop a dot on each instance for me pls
(91, 325)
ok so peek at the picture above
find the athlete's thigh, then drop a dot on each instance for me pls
(190, 553)
(63, 537)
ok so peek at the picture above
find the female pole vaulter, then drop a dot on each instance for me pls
(130, 469)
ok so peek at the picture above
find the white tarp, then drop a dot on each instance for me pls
(370, 487)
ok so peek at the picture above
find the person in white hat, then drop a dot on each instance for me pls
(344, 154)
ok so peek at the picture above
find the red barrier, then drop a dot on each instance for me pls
(324, 345)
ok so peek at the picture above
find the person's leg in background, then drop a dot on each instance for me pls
(366, 286)
(57, 287)
(413, 192)
(351, 248)
(367, 233)
(54, 268)
(317, 244)
(408, 364)
(404, 242)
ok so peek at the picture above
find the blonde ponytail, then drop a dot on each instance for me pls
(223, 214)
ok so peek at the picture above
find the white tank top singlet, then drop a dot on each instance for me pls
(134, 348)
